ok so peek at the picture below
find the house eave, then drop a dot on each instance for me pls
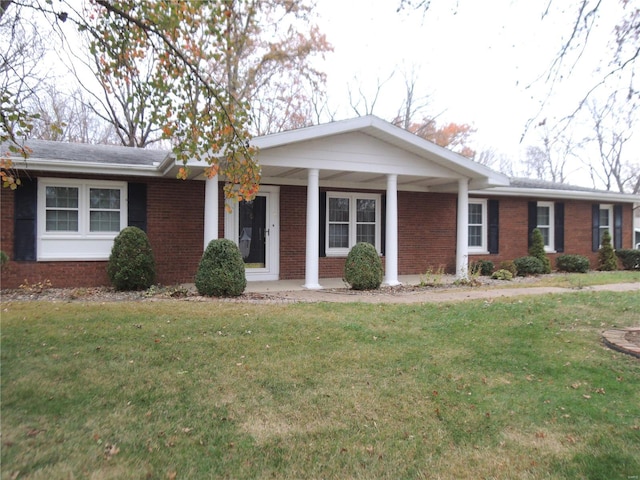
(91, 168)
(603, 197)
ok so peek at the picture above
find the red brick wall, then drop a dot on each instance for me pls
(175, 227)
(577, 230)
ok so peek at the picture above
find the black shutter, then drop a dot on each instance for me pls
(617, 226)
(558, 219)
(533, 221)
(25, 209)
(595, 227)
(137, 207)
(493, 213)
(383, 224)
(322, 218)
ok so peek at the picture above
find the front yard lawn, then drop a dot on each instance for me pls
(515, 388)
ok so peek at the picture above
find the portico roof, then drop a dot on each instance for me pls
(361, 152)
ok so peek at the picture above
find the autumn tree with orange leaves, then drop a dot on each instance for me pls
(197, 114)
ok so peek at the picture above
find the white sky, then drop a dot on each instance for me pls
(474, 58)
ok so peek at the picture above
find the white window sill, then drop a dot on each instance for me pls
(479, 252)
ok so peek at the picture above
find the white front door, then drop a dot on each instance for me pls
(254, 226)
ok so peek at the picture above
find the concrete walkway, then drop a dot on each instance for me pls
(335, 290)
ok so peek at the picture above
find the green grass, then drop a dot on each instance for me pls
(580, 280)
(515, 388)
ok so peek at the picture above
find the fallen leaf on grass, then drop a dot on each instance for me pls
(110, 450)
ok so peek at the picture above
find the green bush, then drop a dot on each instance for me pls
(572, 263)
(131, 264)
(221, 270)
(4, 258)
(483, 267)
(630, 259)
(529, 266)
(363, 268)
(502, 274)
(510, 266)
(607, 260)
(537, 250)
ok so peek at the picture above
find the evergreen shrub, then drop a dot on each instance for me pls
(131, 264)
(630, 258)
(502, 274)
(363, 268)
(510, 266)
(572, 263)
(483, 267)
(221, 271)
(607, 260)
(529, 266)
(537, 250)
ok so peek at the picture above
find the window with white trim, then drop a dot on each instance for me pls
(477, 237)
(352, 218)
(544, 223)
(79, 219)
(606, 221)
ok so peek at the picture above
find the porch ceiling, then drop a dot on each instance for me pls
(350, 179)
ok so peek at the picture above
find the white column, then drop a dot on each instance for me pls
(462, 246)
(313, 230)
(391, 247)
(210, 210)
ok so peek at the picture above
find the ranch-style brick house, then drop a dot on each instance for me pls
(323, 189)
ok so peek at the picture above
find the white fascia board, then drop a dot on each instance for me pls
(606, 197)
(94, 168)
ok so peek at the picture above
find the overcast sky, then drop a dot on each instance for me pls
(479, 61)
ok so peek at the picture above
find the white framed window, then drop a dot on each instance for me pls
(606, 221)
(352, 218)
(545, 223)
(78, 219)
(477, 237)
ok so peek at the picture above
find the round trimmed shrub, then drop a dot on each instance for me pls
(529, 266)
(221, 270)
(572, 263)
(363, 268)
(630, 258)
(131, 264)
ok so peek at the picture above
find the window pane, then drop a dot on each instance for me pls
(338, 209)
(545, 235)
(366, 210)
(62, 221)
(475, 214)
(475, 235)
(101, 221)
(62, 197)
(104, 198)
(543, 217)
(338, 236)
(366, 232)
